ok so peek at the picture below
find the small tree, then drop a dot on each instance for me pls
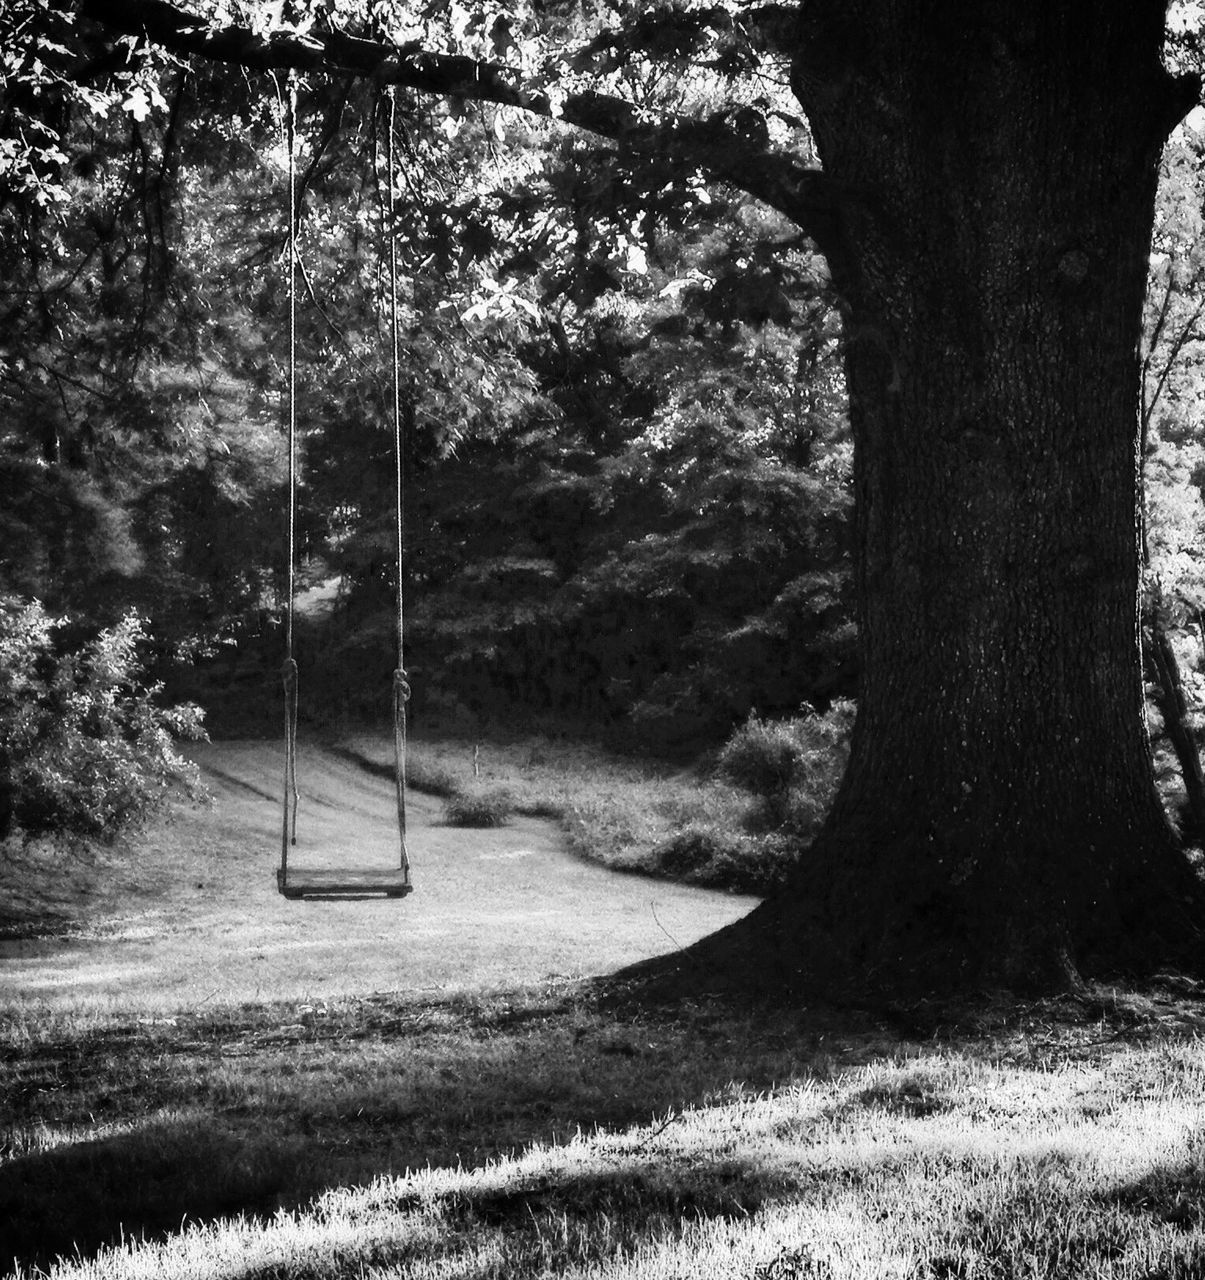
(84, 748)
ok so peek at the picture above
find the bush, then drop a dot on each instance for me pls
(84, 749)
(762, 756)
(479, 807)
(792, 766)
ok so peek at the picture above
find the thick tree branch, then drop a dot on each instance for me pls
(714, 146)
(669, 32)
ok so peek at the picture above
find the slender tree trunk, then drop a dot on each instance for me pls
(6, 795)
(998, 823)
(1174, 709)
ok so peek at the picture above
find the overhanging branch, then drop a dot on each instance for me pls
(800, 192)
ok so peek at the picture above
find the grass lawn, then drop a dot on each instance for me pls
(202, 1080)
(186, 914)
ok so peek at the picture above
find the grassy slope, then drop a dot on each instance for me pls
(188, 913)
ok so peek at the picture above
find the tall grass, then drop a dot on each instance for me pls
(629, 813)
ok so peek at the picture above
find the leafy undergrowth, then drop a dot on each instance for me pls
(548, 1134)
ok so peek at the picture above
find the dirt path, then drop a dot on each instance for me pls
(198, 920)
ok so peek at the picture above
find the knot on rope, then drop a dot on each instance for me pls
(288, 675)
(401, 686)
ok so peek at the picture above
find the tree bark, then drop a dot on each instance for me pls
(998, 823)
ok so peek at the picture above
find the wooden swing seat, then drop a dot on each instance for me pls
(343, 883)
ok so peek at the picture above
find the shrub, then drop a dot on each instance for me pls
(793, 766)
(479, 807)
(762, 756)
(726, 859)
(689, 853)
(84, 748)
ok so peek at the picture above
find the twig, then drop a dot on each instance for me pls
(664, 930)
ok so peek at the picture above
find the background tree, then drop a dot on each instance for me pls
(1171, 448)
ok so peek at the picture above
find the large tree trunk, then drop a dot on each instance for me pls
(998, 823)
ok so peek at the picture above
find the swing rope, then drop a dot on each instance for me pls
(288, 826)
(401, 684)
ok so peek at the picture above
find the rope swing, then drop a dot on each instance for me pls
(354, 881)
(401, 684)
(288, 672)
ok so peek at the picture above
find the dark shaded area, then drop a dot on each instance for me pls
(1170, 1004)
(1174, 1195)
(144, 1185)
(799, 944)
(727, 1189)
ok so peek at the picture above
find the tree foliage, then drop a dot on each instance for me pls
(576, 325)
(1174, 375)
(622, 401)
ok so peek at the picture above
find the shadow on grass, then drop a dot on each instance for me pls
(255, 1112)
(144, 1183)
(147, 1184)
(263, 1108)
(1174, 1195)
(1042, 1224)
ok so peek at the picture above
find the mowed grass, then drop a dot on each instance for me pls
(551, 1133)
(186, 912)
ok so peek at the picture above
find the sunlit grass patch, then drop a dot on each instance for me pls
(765, 1158)
(429, 774)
